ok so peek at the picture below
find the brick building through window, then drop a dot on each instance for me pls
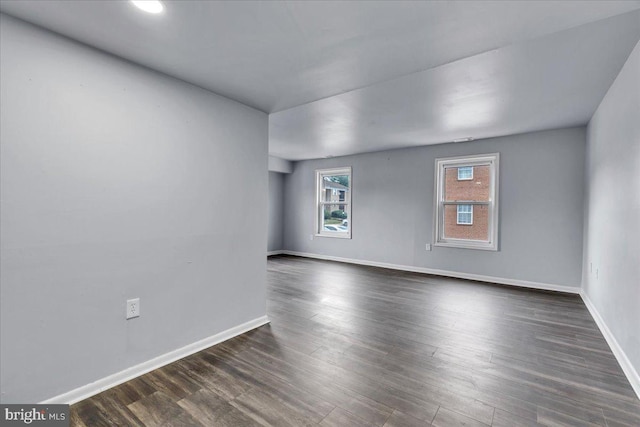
(460, 188)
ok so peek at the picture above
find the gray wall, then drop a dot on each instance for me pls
(541, 206)
(276, 212)
(611, 277)
(119, 182)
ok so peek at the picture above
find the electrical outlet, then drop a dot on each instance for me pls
(310, 236)
(427, 246)
(133, 308)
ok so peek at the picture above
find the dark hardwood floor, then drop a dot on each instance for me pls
(362, 346)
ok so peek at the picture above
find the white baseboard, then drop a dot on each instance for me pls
(623, 360)
(446, 273)
(113, 380)
(272, 253)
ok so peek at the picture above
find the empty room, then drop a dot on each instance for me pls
(332, 213)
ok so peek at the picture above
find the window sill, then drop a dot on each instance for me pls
(334, 236)
(461, 245)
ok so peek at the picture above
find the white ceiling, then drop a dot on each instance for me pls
(347, 77)
(547, 83)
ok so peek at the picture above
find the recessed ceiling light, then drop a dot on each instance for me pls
(150, 6)
(467, 139)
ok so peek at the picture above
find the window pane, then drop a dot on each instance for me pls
(335, 188)
(335, 218)
(476, 189)
(479, 230)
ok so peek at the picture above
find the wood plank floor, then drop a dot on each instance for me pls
(361, 346)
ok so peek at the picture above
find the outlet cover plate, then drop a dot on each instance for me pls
(133, 308)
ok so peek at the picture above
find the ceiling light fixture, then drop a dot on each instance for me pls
(149, 6)
(467, 139)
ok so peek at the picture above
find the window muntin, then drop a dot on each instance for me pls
(465, 173)
(333, 202)
(467, 209)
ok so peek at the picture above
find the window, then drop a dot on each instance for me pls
(465, 173)
(465, 214)
(467, 202)
(333, 202)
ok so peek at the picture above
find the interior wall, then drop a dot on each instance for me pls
(119, 182)
(611, 276)
(541, 204)
(276, 212)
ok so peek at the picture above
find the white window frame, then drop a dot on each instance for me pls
(465, 179)
(458, 215)
(319, 208)
(492, 160)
